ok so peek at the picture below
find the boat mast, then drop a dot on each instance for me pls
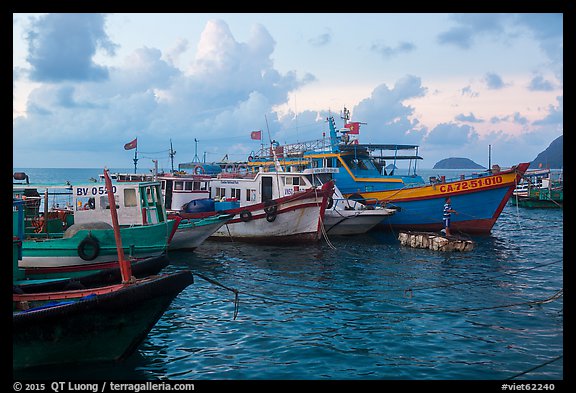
(172, 154)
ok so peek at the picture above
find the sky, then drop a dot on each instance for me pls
(458, 85)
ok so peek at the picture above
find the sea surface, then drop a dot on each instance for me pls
(356, 308)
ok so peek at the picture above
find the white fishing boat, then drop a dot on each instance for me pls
(281, 207)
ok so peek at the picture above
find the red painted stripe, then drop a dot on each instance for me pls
(72, 268)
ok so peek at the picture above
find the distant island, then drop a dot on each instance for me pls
(552, 157)
(457, 163)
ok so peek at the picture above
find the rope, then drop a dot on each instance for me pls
(555, 296)
(419, 288)
(235, 291)
(537, 367)
(322, 228)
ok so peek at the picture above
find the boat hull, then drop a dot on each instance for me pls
(106, 327)
(62, 256)
(47, 280)
(478, 201)
(533, 203)
(353, 222)
(290, 219)
(192, 233)
(294, 222)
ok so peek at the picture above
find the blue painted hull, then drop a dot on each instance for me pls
(427, 213)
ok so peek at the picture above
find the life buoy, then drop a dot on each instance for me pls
(199, 169)
(89, 248)
(330, 203)
(245, 215)
(270, 207)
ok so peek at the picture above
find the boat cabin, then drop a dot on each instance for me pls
(178, 188)
(136, 203)
(259, 187)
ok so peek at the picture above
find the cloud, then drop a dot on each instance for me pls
(451, 134)
(388, 52)
(546, 28)
(173, 54)
(468, 118)
(468, 27)
(467, 91)
(494, 81)
(62, 46)
(555, 116)
(321, 40)
(227, 91)
(386, 115)
(538, 83)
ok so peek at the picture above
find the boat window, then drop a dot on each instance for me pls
(179, 185)
(220, 192)
(296, 181)
(130, 199)
(204, 185)
(149, 196)
(196, 185)
(250, 195)
(104, 204)
(236, 193)
(188, 186)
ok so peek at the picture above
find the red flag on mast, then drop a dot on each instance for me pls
(256, 135)
(131, 145)
(354, 127)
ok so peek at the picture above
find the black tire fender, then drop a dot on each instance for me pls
(89, 248)
(245, 215)
(270, 207)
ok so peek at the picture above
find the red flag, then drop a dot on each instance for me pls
(131, 145)
(256, 135)
(354, 127)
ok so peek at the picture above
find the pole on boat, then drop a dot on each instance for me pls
(135, 158)
(172, 154)
(125, 267)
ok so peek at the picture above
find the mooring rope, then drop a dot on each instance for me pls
(235, 291)
(322, 229)
(537, 367)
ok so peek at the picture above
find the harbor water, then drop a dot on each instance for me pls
(357, 308)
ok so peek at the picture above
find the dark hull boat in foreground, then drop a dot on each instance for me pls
(100, 323)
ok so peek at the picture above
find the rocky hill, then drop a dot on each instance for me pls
(457, 163)
(552, 157)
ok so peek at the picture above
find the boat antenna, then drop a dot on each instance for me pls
(172, 154)
(196, 159)
(135, 158)
(273, 148)
(489, 157)
(345, 116)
